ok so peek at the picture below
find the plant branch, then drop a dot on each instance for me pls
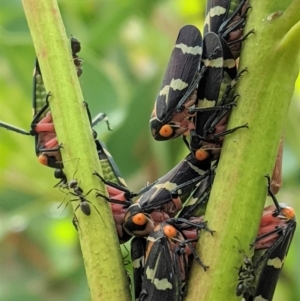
(291, 15)
(291, 38)
(239, 191)
(99, 243)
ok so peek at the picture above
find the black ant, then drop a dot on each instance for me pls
(78, 192)
(84, 203)
(246, 274)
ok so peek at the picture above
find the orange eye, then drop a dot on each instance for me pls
(288, 212)
(201, 154)
(170, 231)
(166, 131)
(43, 159)
(139, 219)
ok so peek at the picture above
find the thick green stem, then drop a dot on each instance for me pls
(290, 16)
(99, 243)
(239, 191)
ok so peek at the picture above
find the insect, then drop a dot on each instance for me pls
(197, 202)
(246, 276)
(227, 19)
(76, 47)
(167, 259)
(108, 165)
(258, 276)
(174, 106)
(275, 234)
(103, 154)
(274, 216)
(272, 261)
(160, 200)
(77, 191)
(165, 198)
(208, 92)
(138, 249)
(42, 128)
(84, 203)
(169, 118)
(210, 125)
(113, 176)
(215, 90)
(120, 199)
(50, 154)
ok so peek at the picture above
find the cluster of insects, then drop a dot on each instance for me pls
(195, 101)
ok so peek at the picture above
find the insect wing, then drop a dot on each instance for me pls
(39, 91)
(180, 73)
(186, 170)
(209, 87)
(40, 110)
(196, 203)
(229, 64)
(216, 13)
(162, 199)
(227, 19)
(138, 248)
(269, 271)
(212, 60)
(108, 165)
(162, 274)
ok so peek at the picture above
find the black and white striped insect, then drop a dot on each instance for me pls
(196, 204)
(159, 201)
(41, 127)
(166, 197)
(224, 25)
(214, 101)
(227, 18)
(138, 250)
(167, 259)
(258, 276)
(169, 118)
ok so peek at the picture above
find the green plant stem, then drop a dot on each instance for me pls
(239, 191)
(291, 15)
(99, 243)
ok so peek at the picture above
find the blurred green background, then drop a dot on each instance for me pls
(126, 45)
